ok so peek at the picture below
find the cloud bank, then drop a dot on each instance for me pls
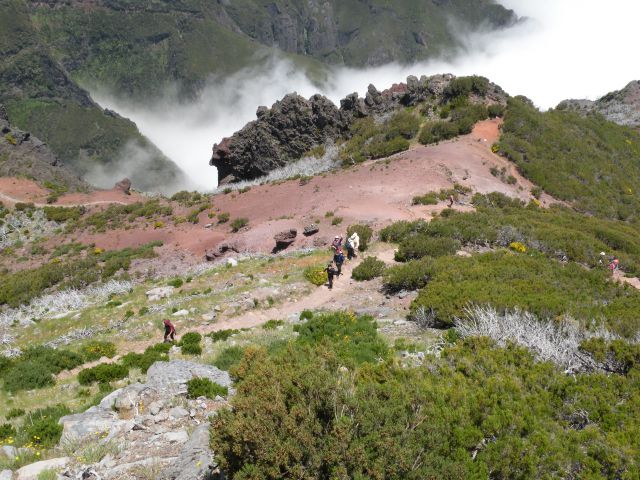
(566, 49)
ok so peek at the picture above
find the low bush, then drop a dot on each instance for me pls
(272, 324)
(336, 221)
(27, 375)
(239, 223)
(229, 357)
(222, 335)
(316, 275)
(41, 428)
(412, 275)
(403, 124)
(203, 387)
(96, 350)
(306, 315)
(156, 353)
(191, 349)
(63, 214)
(223, 217)
(496, 110)
(433, 132)
(190, 337)
(369, 268)
(175, 282)
(430, 198)
(103, 373)
(7, 431)
(422, 245)
(399, 230)
(364, 232)
(15, 413)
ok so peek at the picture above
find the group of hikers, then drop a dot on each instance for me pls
(614, 263)
(334, 267)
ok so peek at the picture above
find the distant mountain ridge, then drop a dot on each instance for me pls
(620, 106)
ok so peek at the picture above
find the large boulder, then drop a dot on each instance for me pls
(93, 421)
(124, 186)
(195, 461)
(170, 378)
(31, 472)
(311, 230)
(159, 293)
(221, 250)
(285, 238)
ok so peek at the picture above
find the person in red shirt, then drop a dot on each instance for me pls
(169, 331)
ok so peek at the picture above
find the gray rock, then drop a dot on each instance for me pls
(83, 425)
(285, 238)
(154, 408)
(181, 313)
(124, 186)
(159, 293)
(171, 377)
(8, 451)
(179, 436)
(195, 461)
(31, 472)
(311, 230)
(178, 412)
(6, 475)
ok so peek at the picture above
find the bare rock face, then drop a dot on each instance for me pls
(311, 230)
(621, 107)
(295, 125)
(124, 185)
(284, 239)
(220, 250)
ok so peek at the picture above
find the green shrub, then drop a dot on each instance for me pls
(434, 132)
(157, 353)
(306, 315)
(382, 148)
(48, 474)
(422, 245)
(15, 413)
(223, 217)
(191, 337)
(403, 124)
(40, 427)
(7, 431)
(27, 375)
(191, 349)
(95, 350)
(369, 268)
(203, 387)
(239, 223)
(272, 324)
(364, 232)
(336, 221)
(399, 230)
(63, 214)
(464, 86)
(103, 373)
(496, 110)
(316, 275)
(222, 335)
(412, 275)
(175, 282)
(229, 357)
(426, 199)
(353, 338)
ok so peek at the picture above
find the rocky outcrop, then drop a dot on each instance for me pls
(311, 230)
(294, 125)
(285, 238)
(621, 107)
(23, 155)
(124, 186)
(221, 250)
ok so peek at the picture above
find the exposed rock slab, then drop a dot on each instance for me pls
(31, 472)
(195, 461)
(172, 377)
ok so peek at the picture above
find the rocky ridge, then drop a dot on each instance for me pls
(22, 154)
(294, 125)
(621, 106)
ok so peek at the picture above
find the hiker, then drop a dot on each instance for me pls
(169, 331)
(350, 251)
(613, 266)
(331, 272)
(451, 200)
(337, 243)
(601, 259)
(354, 243)
(338, 259)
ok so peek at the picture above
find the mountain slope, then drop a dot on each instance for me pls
(40, 97)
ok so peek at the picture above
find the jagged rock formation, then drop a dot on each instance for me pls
(153, 420)
(621, 106)
(23, 155)
(294, 125)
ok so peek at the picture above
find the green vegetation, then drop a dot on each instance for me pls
(316, 275)
(223, 217)
(175, 282)
(418, 246)
(588, 161)
(95, 350)
(21, 287)
(336, 221)
(272, 324)
(412, 275)
(364, 232)
(239, 223)
(430, 198)
(36, 367)
(63, 214)
(222, 335)
(190, 343)
(229, 357)
(155, 353)
(369, 268)
(118, 216)
(203, 387)
(103, 373)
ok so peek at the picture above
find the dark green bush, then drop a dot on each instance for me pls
(369, 268)
(191, 337)
(222, 335)
(156, 353)
(430, 198)
(63, 214)
(239, 223)
(353, 338)
(465, 86)
(223, 217)
(40, 427)
(306, 315)
(412, 275)
(399, 230)
(191, 349)
(364, 232)
(175, 282)
(272, 324)
(15, 413)
(95, 350)
(103, 373)
(7, 431)
(203, 387)
(496, 110)
(434, 132)
(403, 124)
(229, 357)
(422, 245)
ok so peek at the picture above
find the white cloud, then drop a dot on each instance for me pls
(568, 49)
